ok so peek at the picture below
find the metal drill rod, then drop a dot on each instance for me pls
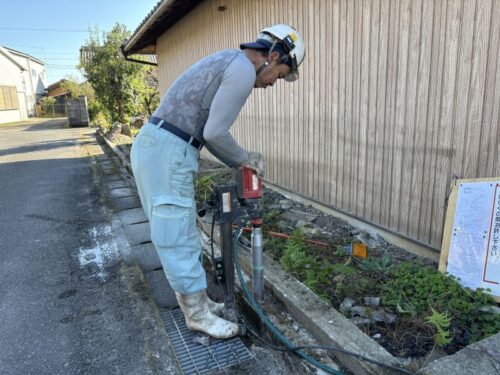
(257, 264)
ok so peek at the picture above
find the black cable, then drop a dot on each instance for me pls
(212, 238)
(327, 347)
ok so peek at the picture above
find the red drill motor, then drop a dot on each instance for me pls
(249, 191)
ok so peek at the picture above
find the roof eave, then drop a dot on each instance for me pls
(161, 18)
(7, 53)
(25, 55)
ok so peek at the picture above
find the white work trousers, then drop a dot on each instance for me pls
(164, 168)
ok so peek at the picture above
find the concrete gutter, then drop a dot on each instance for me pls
(117, 150)
(160, 357)
(482, 357)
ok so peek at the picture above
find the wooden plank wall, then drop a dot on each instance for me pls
(396, 99)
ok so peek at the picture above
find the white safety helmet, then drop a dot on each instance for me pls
(286, 38)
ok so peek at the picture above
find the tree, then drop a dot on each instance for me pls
(47, 103)
(146, 90)
(116, 82)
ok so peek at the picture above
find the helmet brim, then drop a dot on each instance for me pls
(254, 45)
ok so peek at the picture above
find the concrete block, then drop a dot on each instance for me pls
(117, 184)
(482, 357)
(146, 256)
(109, 171)
(295, 215)
(163, 294)
(113, 177)
(121, 192)
(137, 233)
(126, 203)
(132, 216)
(102, 158)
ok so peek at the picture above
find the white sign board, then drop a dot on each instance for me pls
(474, 236)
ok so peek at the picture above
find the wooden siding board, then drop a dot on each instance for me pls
(431, 142)
(381, 124)
(445, 126)
(295, 124)
(349, 109)
(480, 43)
(495, 122)
(324, 99)
(362, 138)
(399, 121)
(342, 105)
(330, 99)
(421, 124)
(489, 130)
(355, 119)
(464, 64)
(371, 123)
(301, 179)
(392, 71)
(318, 120)
(286, 113)
(407, 192)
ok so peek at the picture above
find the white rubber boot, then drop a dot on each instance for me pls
(200, 318)
(214, 307)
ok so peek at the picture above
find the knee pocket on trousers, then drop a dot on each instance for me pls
(170, 224)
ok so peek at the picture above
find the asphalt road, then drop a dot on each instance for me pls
(64, 305)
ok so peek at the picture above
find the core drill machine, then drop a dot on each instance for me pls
(236, 203)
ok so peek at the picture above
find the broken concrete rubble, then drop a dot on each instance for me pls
(372, 301)
(346, 304)
(374, 315)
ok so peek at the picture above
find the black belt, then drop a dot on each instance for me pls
(176, 131)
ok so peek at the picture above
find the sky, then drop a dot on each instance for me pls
(54, 30)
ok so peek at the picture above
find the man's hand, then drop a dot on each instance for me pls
(256, 163)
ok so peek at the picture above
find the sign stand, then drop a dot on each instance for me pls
(470, 249)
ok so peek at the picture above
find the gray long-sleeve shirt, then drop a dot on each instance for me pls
(206, 99)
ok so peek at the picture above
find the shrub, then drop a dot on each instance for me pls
(102, 121)
(415, 289)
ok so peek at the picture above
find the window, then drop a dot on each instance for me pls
(33, 73)
(8, 98)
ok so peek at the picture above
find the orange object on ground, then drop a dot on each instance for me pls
(359, 250)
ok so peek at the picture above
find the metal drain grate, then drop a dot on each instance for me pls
(195, 358)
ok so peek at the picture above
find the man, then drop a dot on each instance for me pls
(198, 110)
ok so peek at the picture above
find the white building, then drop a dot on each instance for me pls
(22, 83)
